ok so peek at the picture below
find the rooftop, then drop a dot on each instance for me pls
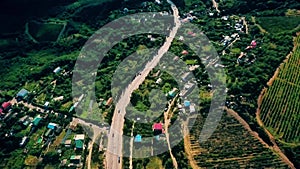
(79, 137)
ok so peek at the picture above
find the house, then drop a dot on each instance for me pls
(57, 70)
(78, 144)
(187, 103)
(68, 143)
(75, 159)
(184, 52)
(176, 58)
(158, 81)
(6, 106)
(36, 120)
(79, 137)
(23, 119)
(138, 138)
(58, 98)
(109, 101)
(22, 94)
(1, 112)
(73, 124)
(192, 108)
(157, 128)
(52, 126)
(172, 93)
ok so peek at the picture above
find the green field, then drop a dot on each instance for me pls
(280, 109)
(279, 23)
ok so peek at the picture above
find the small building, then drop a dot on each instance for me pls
(22, 94)
(187, 103)
(138, 138)
(1, 112)
(6, 106)
(109, 101)
(52, 126)
(68, 143)
(57, 70)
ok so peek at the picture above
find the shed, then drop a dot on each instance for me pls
(57, 70)
(184, 52)
(138, 138)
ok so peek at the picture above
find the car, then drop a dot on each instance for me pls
(118, 111)
(119, 159)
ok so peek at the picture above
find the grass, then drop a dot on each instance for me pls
(155, 163)
(44, 31)
(279, 24)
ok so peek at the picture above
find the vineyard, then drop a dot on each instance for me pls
(280, 107)
(231, 146)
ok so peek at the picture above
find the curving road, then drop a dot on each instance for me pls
(114, 148)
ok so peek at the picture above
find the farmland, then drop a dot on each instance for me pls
(280, 104)
(231, 146)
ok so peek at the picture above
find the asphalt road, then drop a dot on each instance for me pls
(115, 146)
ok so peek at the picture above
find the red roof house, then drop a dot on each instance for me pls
(6, 105)
(1, 111)
(157, 126)
(184, 52)
(253, 43)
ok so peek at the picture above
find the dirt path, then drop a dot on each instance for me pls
(216, 6)
(187, 146)
(167, 119)
(262, 30)
(245, 24)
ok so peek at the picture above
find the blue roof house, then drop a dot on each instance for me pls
(22, 94)
(52, 126)
(187, 103)
(138, 138)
